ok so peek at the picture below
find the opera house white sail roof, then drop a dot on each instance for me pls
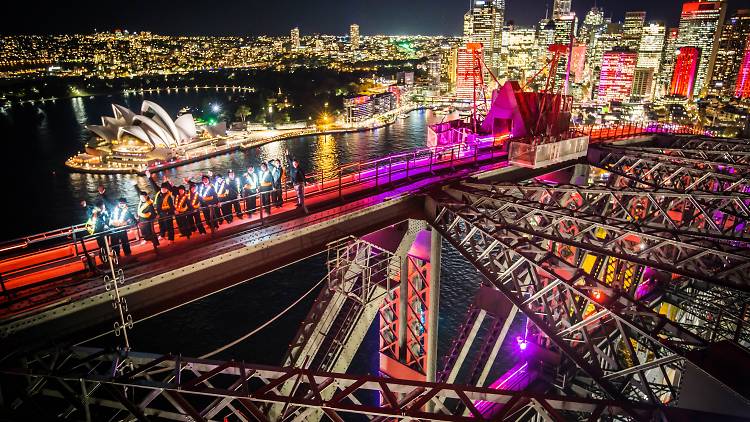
(153, 126)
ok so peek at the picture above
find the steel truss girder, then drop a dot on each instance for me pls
(602, 223)
(716, 159)
(242, 388)
(668, 172)
(597, 336)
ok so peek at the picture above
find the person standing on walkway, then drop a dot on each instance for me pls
(182, 211)
(222, 193)
(194, 218)
(121, 220)
(146, 217)
(250, 190)
(234, 187)
(209, 200)
(266, 187)
(164, 204)
(277, 171)
(97, 224)
(297, 175)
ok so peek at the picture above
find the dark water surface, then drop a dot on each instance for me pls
(38, 139)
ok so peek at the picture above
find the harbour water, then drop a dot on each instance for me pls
(40, 137)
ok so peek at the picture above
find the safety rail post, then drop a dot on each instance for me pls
(91, 264)
(340, 195)
(377, 174)
(321, 180)
(75, 244)
(6, 293)
(476, 152)
(453, 149)
(407, 167)
(390, 168)
(432, 154)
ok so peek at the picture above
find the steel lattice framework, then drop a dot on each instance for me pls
(179, 388)
(672, 232)
(665, 171)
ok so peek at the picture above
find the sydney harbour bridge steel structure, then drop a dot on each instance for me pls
(633, 279)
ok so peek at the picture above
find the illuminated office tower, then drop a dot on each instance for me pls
(607, 40)
(468, 26)
(685, 75)
(700, 26)
(664, 78)
(593, 23)
(617, 74)
(742, 86)
(560, 8)
(643, 84)
(520, 49)
(465, 66)
(295, 39)
(487, 20)
(354, 36)
(565, 27)
(651, 49)
(632, 29)
(729, 57)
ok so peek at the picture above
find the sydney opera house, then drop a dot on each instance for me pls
(127, 140)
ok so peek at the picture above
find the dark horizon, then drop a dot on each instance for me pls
(390, 17)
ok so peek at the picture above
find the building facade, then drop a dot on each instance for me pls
(742, 86)
(685, 75)
(632, 29)
(354, 36)
(617, 74)
(700, 27)
(729, 57)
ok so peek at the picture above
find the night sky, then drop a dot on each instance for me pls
(253, 17)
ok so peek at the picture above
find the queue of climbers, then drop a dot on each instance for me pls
(195, 206)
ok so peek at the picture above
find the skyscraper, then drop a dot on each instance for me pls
(560, 8)
(617, 73)
(465, 66)
(487, 20)
(700, 26)
(686, 68)
(664, 78)
(354, 36)
(651, 48)
(742, 86)
(730, 55)
(294, 36)
(632, 29)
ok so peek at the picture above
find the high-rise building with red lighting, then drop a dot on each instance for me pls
(685, 73)
(465, 70)
(701, 24)
(617, 73)
(742, 87)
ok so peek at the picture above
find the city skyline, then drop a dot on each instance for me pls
(440, 17)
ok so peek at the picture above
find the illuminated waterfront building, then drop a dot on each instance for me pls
(742, 86)
(632, 29)
(617, 74)
(700, 26)
(354, 36)
(686, 67)
(608, 40)
(729, 57)
(487, 20)
(294, 37)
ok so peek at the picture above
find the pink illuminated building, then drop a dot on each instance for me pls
(465, 68)
(742, 88)
(685, 71)
(617, 73)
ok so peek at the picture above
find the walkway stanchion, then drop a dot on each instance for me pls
(432, 154)
(390, 168)
(321, 180)
(453, 149)
(377, 174)
(407, 166)
(340, 196)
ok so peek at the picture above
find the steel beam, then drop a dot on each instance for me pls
(414, 395)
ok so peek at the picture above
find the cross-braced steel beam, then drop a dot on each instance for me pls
(209, 390)
(670, 172)
(620, 346)
(653, 229)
